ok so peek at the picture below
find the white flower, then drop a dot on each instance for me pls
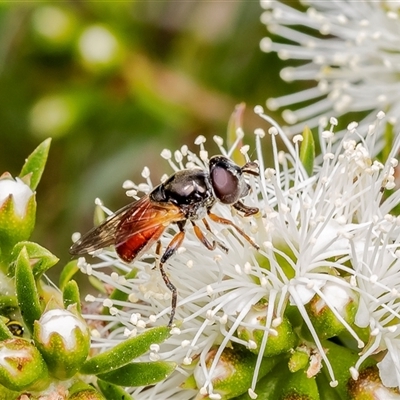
(316, 233)
(350, 48)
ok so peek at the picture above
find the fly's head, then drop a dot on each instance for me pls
(227, 179)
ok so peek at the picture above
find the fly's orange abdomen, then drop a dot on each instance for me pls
(139, 243)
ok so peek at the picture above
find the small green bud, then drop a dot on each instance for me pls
(17, 212)
(7, 394)
(281, 337)
(87, 394)
(233, 373)
(64, 341)
(21, 366)
(299, 359)
(321, 315)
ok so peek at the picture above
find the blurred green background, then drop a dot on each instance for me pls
(114, 83)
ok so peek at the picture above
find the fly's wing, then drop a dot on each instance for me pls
(104, 234)
(146, 216)
(138, 231)
(142, 215)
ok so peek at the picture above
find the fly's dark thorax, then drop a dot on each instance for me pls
(190, 190)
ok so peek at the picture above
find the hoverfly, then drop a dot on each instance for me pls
(187, 195)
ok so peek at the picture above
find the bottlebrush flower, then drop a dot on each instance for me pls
(328, 240)
(350, 49)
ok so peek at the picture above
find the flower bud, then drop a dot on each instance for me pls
(87, 394)
(17, 212)
(298, 359)
(342, 299)
(369, 386)
(342, 361)
(298, 386)
(8, 394)
(21, 366)
(281, 337)
(233, 373)
(64, 340)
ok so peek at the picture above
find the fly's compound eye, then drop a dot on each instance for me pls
(225, 179)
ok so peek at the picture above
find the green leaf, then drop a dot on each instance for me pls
(28, 297)
(97, 284)
(113, 392)
(8, 304)
(71, 295)
(41, 258)
(67, 273)
(35, 163)
(125, 352)
(307, 150)
(139, 374)
(388, 136)
(4, 331)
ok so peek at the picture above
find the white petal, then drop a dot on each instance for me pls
(362, 316)
(389, 372)
(19, 190)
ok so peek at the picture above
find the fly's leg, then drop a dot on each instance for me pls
(220, 220)
(171, 249)
(246, 210)
(200, 235)
(158, 252)
(217, 242)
